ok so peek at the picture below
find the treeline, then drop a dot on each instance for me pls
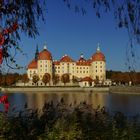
(68, 122)
(123, 77)
(12, 78)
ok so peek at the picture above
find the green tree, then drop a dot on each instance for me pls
(46, 78)
(35, 79)
(65, 78)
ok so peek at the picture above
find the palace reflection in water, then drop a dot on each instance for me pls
(128, 104)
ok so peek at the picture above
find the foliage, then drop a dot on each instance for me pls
(55, 79)
(46, 78)
(25, 78)
(9, 79)
(64, 122)
(18, 16)
(124, 77)
(35, 78)
(65, 78)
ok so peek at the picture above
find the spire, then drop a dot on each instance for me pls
(36, 53)
(45, 46)
(98, 47)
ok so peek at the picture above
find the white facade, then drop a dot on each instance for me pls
(94, 68)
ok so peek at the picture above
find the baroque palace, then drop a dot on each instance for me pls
(86, 72)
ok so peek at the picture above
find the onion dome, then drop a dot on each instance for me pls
(44, 55)
(66, 58)
(82, 61)
(33, 64)
(88, 79)
(98, 56)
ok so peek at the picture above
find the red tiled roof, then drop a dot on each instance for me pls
(87, 79)
(66, 58)
(82, 62)
(32, 64)
(98, 56)
(45, 55)
(56, 63)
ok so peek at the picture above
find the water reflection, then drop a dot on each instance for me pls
(128, 104)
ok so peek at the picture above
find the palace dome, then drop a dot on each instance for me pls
(98, 56)
(44, 55)
(66, 58)
(33, 64)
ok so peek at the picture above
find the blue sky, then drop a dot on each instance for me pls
(66, 32)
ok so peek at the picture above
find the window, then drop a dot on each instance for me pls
(40, 65)
(87, 71)
(100, 62)
(96, 70)
(87, 67)
(77, 71)
(45, 65)
(100, 70)
(96, 66)
(100, 66)
(83, 71)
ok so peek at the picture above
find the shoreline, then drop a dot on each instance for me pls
(54, 89)
(112, 89)
(124, 89)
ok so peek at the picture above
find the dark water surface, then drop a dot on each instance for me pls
(129, 104)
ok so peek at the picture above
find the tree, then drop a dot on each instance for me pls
(18, 16)
(55, 79)
(65, 78)
(35, 79)
(10, 79)
(46, 78)
(25, 78)
(74, 79)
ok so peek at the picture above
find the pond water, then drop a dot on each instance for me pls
(128, 104)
